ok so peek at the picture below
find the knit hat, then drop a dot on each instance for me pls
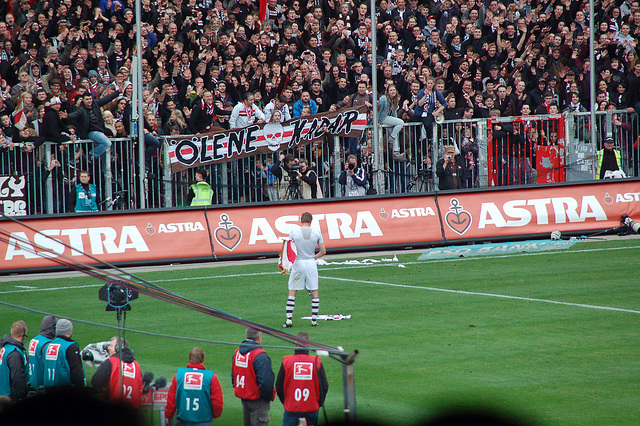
(64, 327)
(93, 73)
(55, 100)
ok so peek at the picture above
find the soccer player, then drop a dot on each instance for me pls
(304, 273)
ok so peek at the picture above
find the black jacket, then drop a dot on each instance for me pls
(81, 115)
(446, 177)
(18, 380)
(52, 127)
(322, 380)
(102, 377)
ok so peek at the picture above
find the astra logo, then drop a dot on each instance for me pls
(338, 226)
(628, 197)
(180, 227)
(101, 240)
(412, 212)
(516, 213)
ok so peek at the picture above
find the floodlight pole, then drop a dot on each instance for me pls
(349, 384)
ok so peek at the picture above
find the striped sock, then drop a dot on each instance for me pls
(315, 308)
(291, 303)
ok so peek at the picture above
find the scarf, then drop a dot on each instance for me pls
(208, 109)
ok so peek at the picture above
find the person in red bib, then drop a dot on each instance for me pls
(252, 378)
(302, 386)
(107, 377)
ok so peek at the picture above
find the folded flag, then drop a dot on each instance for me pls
(288, 255)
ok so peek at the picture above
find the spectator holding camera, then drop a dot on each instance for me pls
(353, 178)
(310, 185)
(451, 170)
(283, 171)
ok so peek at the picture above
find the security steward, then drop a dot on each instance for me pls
(200, 193)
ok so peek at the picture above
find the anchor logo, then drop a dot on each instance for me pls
(227, 235)
(458, 219)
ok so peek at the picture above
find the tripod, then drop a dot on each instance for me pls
(293, 190)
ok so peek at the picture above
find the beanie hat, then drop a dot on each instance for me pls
(64, 327)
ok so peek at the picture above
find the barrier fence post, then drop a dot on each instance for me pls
(166, 175)
(108, 178)
(337, 167)
(49, 184)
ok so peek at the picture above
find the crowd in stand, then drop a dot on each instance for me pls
(203, 58)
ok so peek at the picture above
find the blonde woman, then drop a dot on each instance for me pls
(109, 123)
(176, 119)
(388, 115)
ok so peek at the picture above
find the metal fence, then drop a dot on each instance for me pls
(497, 152)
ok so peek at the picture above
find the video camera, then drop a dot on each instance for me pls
(296, 167)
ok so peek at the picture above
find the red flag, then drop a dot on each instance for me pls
(19, 117)
(288, 255)
(263, 11)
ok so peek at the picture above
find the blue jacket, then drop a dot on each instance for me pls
(431, 106)
(297, 107)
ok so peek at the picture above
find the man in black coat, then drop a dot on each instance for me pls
(90, 121)
(451, 170)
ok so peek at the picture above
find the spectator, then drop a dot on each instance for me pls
(353, 178)
(304, 101)
(388, 115)
(91, 123)
(451, 170)
(246, 113)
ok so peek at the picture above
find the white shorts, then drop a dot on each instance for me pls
(304, 275)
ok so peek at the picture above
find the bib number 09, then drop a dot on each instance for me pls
(301, 394)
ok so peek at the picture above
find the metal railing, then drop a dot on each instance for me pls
(535, 150)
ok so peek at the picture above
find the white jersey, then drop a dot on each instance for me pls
(306, 241)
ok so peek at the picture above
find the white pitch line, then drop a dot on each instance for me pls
(474, 293)
(73, 287)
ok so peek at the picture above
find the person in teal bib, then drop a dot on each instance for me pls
(195, 394)
(200, 193)
(62, 361)
(83, 196)
(35, 350)
(14, 369)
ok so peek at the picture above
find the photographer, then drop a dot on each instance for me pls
(308, 181)
(353, 178)
(451, 170)
(283, 169)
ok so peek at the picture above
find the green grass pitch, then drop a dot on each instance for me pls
(551, 338)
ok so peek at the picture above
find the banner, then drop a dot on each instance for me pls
(231, 231)
(13, 197)
(229, 145)
(538, 210)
